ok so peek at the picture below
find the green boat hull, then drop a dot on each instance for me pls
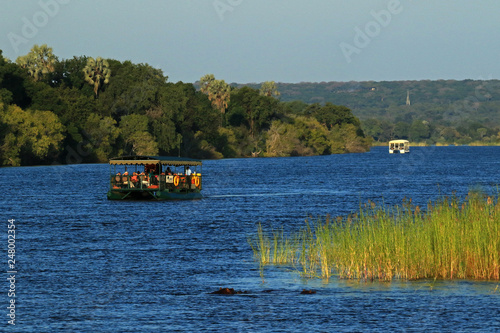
(153, 195)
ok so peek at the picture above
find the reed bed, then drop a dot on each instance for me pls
(449, 239)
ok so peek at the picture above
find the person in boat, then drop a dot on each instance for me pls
(188, 176)
(169, 172)
(144, 178)
(152, 178)
(125, 177)
(118, 179)
(134, 179)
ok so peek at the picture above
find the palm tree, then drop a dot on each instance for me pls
(97, 71)
(218, 92)
(219, 95)
(39, 61)
(205, 83)
(269, 88)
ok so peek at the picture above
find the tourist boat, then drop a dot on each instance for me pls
(399, 147)
(155, 178)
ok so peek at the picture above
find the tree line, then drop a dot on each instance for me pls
(87, 109)
(430, 112)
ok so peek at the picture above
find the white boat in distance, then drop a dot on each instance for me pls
(399, 147)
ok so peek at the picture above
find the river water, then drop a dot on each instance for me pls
(86, 264)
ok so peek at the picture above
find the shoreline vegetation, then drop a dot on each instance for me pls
(450, 239)
(87, 110)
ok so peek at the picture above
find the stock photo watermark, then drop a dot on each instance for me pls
(364, 35)
(11, 271)
(224, 6)
(30, 26)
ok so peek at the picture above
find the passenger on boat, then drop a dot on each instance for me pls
(169, 172)
(134, 179)
(144, 179)
(188, 171)
(118, 179)
(125, 177)
(152, 179)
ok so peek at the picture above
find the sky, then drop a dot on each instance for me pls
(286, 41)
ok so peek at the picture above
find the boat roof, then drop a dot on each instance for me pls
(164, 160)
(399, 141)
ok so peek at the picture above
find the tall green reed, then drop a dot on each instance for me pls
(450, 239)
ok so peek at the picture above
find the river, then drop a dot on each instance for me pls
(86, 264)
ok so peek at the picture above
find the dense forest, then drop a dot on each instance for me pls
(87, 109)
(430, 112)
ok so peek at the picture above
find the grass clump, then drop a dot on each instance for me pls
(450, 239)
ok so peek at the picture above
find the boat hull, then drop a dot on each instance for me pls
(153, 195)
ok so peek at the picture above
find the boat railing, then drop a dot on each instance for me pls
(156, 182)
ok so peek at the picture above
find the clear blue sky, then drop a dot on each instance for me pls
(262, 40)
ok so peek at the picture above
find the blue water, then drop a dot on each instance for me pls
(86, 264)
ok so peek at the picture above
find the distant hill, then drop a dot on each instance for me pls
(445, 101)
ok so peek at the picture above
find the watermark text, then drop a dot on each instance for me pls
(11, 271)
(364, 35)
(31, 25)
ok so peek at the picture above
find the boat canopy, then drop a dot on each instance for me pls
(145, 160)
(399, 141)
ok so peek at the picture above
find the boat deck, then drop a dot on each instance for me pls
(157, 180)
(160, 187)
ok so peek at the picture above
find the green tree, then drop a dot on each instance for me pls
(96, 73)
(38, 62)
(372, 127)
(401, 130)
(218, 91)
(294, 107)
(133, 88)
(31, 136)
(248, 107)
(226, 142)
(312, 135)
(449, 134)
(269, 89)
(331, 115)
(14, 83)
(135, 134)
(68, 72)
(282, 139)
(102, 134)
(353, 142)
(419, 130)
(205, 82)
(482, 132)
(193, 117)
(77, 107)
(163, 129)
